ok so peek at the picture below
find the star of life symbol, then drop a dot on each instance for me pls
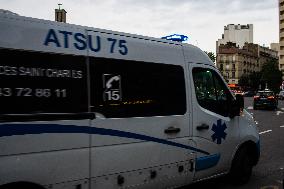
(219, 131)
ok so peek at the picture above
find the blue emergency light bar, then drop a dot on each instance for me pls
(176, 37)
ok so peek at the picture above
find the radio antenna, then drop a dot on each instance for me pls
(59, 4)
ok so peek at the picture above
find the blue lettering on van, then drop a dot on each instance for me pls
(51, 38)
(98, 46)
(83, 42)
(66, 37)
(123, 48)
(80, 41)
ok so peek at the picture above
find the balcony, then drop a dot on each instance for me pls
(281, 26)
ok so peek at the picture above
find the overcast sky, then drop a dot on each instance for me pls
(202, 20)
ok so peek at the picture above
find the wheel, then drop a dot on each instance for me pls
(241, 168)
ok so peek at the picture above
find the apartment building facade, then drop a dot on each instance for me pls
(239, 34)
(281, 36)
(233, 62)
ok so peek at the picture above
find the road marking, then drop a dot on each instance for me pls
(282, 109)
(279, 112)
(282, 126)
(265, 132)
(250, 108)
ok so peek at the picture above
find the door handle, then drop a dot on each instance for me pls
(202, 127)
(172, 130)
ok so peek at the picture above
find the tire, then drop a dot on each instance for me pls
(241, 168)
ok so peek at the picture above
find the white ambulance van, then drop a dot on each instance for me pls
(85, 108)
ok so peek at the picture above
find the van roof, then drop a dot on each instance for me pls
(157, 50)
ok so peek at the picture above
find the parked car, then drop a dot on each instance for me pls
(238, 92)
(249, 93)
(265, 99)
(281, 95)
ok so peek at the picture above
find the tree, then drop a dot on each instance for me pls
(244, 81)
(211, 56)
(271, 76)
(250, 81)
(254, 80)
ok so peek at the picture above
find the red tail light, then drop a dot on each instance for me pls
(255, 97)
(270, 97)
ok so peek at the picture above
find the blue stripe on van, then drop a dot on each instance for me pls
(23, 129)
(207, 162)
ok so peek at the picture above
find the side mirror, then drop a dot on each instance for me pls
(237, 106)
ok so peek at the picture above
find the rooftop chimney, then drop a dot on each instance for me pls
(60, 14)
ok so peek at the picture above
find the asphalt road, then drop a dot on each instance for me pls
(269, 172)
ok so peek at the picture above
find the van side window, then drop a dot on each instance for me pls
(211, 92)
(36, 82)
(122, 88)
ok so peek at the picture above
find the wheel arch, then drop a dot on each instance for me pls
(17, 185)
(253, 149)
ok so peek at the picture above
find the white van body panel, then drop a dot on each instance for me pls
(30, 34)
(108, 152)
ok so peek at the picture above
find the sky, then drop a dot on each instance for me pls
(202, 21)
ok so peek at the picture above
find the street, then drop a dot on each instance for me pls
(269, 172)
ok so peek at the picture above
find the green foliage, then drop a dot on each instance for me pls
(250, 81)
(270, 76)
(254, 79)
(244, 81)
(211, 55)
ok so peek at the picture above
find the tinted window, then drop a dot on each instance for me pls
(121, 88)
(211, 91)
(265, 94)
(33, 82)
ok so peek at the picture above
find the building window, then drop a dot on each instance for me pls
(221, 67)
(233, 75)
